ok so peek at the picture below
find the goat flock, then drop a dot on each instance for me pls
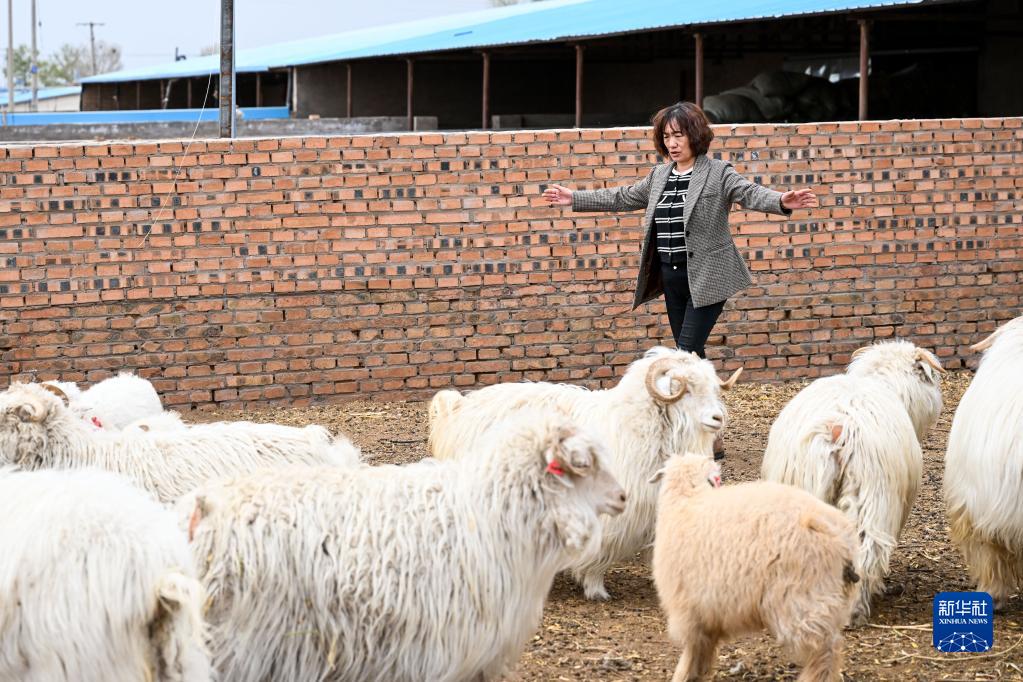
(137, 546)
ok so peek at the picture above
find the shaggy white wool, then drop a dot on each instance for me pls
(640, 430)
(850, 442)
(37, 431)
(913, 373)
(431, 571)
(96, 583)
(984, 466)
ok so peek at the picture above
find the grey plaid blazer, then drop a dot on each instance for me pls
(716, 269)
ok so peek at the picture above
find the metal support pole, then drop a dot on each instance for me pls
(864, 66)
(259, 89)
(699, 69)
(189, 92)
(410, 81)
(348, 101)
(34, 66)
(579, 86)
(486, 90)
(227, 123)
(10, 56)
(138, 94)
(294, 91)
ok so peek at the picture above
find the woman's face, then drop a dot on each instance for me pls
(677, 143)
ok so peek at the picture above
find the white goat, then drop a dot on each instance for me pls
(984, 466)
(430, 571)
(113, 403)
(37, 431)
(911, 372)
(730, 561)
(852, 440)
(96, 583)
(668, 401)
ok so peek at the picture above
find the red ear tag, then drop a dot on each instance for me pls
(97, 423)
(716, 481)
(554, 468)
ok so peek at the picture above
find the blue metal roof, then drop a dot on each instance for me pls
(552, 20)
(22, 95)
(20, 118)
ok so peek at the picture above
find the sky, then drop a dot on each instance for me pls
(148, 31)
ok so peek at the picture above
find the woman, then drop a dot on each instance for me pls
(688, 252)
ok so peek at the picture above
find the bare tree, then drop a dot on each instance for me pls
(71, 63)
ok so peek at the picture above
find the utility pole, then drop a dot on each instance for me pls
(10, 56)
(226, 68)
(34, 68)
(92, 40)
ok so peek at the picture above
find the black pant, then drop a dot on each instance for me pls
(690, 326)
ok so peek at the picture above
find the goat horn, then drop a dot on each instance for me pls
(929, 359)
(656, 369)
(986, 343)
(57, 392)
(730, 381)
(858, 352)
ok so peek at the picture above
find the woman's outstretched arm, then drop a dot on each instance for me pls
(627, 198)
(758, 198)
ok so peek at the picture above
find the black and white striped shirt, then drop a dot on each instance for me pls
(671, 235)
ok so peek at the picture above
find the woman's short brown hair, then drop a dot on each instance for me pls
(691, 122)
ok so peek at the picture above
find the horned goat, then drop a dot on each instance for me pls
(668, 401)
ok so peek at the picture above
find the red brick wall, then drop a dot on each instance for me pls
(390, 266)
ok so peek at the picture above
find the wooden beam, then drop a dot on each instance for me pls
(864, 66)
(348, 103)
(259, 89)
(189, 89)
(698, 98)
(486, 91)
(410, 83)
(579, 86)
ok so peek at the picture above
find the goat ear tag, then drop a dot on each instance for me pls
(715, 480)
(554, 467)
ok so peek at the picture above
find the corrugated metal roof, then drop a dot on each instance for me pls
(20, 118)
(22, 95)
(552, 20)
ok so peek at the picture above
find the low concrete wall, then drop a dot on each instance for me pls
(178, 130)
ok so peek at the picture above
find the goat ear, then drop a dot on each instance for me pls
(572, 455)
(658, 475)
(836, 432)
(30, 411)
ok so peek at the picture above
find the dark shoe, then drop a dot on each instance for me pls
(719, 447)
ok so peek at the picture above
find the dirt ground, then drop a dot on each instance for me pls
(624, 639)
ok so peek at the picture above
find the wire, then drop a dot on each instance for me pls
(163, 208)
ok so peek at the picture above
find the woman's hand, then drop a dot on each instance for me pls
(797, 198)
(557, 195)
